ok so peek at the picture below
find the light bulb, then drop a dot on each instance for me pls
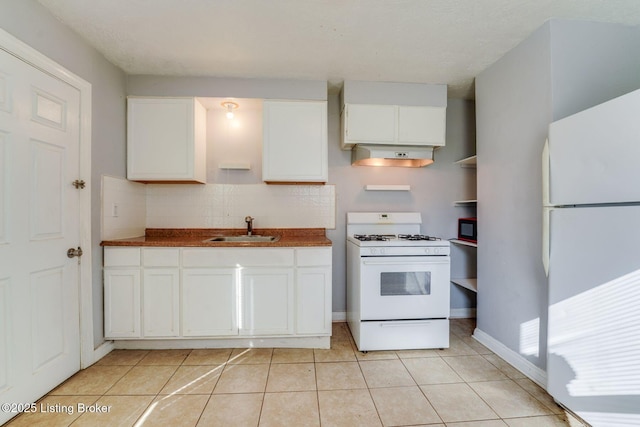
(230, 106)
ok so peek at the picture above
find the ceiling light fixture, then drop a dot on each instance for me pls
(229, 106)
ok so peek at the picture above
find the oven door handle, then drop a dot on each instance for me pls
(408, 263)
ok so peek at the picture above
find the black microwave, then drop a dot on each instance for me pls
(468, 229)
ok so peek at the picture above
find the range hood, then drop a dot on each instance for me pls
(392, 155)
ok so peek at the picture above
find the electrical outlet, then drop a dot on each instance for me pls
(114, 210)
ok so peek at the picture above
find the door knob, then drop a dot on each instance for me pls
(71, 253)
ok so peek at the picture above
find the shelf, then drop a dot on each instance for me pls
(371, 187)
(236, 166)
(463, 243)
(469, 162)
(465, 202)
(467, 283)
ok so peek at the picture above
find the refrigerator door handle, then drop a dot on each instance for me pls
(546, 207)
(545, 173)
(546, 243)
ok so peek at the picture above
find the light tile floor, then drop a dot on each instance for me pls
(465, 385)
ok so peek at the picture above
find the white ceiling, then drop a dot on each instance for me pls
(426, 41)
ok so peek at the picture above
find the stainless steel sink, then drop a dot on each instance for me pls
(244, 239)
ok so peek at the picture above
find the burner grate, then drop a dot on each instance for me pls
(417, 237)
(374, 237)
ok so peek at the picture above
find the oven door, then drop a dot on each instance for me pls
(394, 288)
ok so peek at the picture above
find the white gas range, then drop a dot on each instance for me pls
(397, 283)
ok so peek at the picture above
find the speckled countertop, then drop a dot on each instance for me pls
(177, 237)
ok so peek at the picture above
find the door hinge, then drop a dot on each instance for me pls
(78, 183)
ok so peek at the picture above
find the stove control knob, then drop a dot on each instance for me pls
(427, 251)
(383, 251)
(373, 251)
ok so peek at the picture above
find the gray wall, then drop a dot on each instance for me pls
(561, 69)
(34, 25)
(141, 85)
(513, 109)
(592, 63)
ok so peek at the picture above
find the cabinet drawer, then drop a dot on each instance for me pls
(122, 257)
(161, 257)
(313, 257)
(234, 257)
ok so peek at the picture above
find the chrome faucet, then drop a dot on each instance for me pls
(249, 220)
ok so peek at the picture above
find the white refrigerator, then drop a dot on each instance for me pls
(591, 252)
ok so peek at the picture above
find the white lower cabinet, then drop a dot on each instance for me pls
(313, 291)
(160, 292)
(122, 283)
(267, 301)
(209, 302)
(161, 302)
(122, 303)
(217, 293)
(313, 300)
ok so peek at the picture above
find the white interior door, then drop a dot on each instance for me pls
(39, 222)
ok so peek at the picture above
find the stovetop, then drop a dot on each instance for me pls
(391, 229)
(384, 240)
(388, 237)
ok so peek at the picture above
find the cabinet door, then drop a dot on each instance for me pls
(295, 141)
(122, 303)
(166, 139)
(160, 307)
(370, 123)
(267, 301)
(421, 125)
(313, 300)
(209, 302)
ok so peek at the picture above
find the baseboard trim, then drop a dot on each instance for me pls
(462, 313)
(101, 351)
(455, 313)
(339, 316)
(322, 342)
(516, 360)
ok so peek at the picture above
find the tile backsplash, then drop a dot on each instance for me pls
(216, 206)
(124, 208)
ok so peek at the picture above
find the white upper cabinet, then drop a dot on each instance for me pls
(375, 123)
(295, 141)
(421, 125)
(393, 125)
(166, 139)
(391, 113)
